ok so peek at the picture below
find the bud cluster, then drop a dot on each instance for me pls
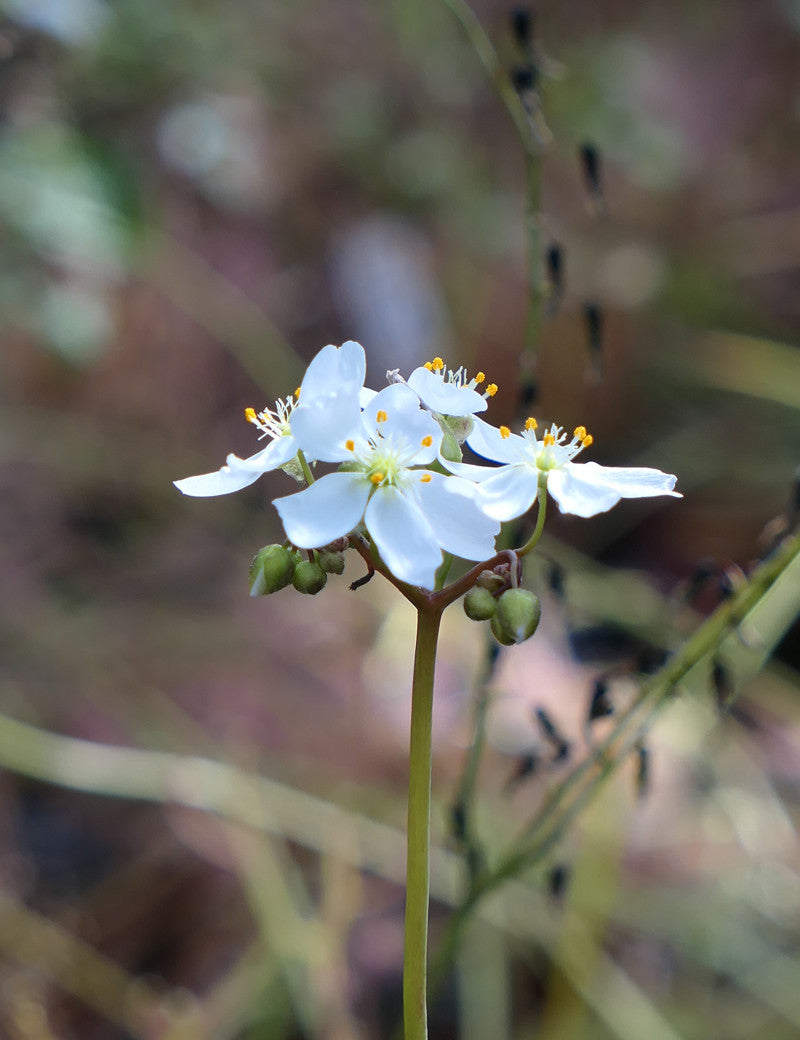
(513, 613)
(276, 566)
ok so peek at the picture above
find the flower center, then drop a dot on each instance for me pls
(555, 448)
(458, 377)
(383, 459)
(273, 423)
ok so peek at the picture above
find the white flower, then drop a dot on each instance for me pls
(332, 368)
(583, 489)
(449, 392)
(410, 514)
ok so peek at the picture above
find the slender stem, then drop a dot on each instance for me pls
(540, 519)
(305, 468)
(415, 957)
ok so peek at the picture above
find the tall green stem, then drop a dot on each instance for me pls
(415, 957)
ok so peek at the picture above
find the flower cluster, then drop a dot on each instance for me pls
(395, 483)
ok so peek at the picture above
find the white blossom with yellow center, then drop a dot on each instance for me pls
(410, 513)
(343, 367)
(449, 391)
(580, 488)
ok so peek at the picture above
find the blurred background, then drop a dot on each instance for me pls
(196, 197)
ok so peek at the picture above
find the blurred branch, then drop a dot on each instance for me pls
(498, 74)
(532, 144)
(569, 797)
(224, 311)
(31, 939)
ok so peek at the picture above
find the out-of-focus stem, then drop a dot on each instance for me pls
(415, 957)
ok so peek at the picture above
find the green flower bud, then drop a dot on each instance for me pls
(309, 577)
(494, 582)
(460, 426)
(295, 470)
(331, 562)
(479, 604)
(272, 569)
(516, 617)
(450, 449)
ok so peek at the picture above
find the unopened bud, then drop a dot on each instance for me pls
(339, 545)
(479, 604)
(450, 449)
(460, 426)
(271, 570)
(331, 562)
(495, 583)
(309, 577)
(516, 616)
(295, 470)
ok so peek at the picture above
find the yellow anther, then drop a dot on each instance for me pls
(297, 392)
(479, 378)
(505, 432)
(531, 423)
(579, 432)
(548, 440)
(250, 415)
(425, 478)
(437, 364)
(381, 417)
(428, 365)
(376, 478)
(491, 389)
(350, 445)
(587, 440)
(427, 441)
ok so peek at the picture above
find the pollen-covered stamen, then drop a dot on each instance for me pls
(426, 442)
(582, 438)
(377, 478)
(271, 423)
(479, 378)
(381, 416)
(531, 423)
(425, 478)
(491, 390)
(505, 433)
(437, 364)
(548, 440)
(350, 445)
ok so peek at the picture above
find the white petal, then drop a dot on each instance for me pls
(578, 496)
(445, 397)
(509, 492)
(328, 509)
(323, 424)
(365, 395)
(487, 441)
(397, 400)
(450, 506)
(629, 482)
(334, 368)
(276, 454)
(222, 482)
(403, 537)
(586, 488)
(468, 470)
